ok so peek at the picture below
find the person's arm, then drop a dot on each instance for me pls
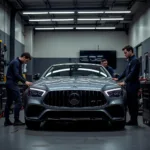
(122, 75)
(16, 72)
(134, 70)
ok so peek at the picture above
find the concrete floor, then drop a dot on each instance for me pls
(56, 138)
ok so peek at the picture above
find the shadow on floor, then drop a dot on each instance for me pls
(77, 127)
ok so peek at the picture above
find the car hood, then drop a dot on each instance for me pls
(75, 83)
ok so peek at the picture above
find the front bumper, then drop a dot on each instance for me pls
(114, 111)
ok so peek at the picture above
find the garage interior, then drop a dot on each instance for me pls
(62, 31)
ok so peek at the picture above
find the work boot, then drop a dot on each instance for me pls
(18, 123)
(8, 122)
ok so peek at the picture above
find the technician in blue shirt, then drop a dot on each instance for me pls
(104, 63)
(13, 76)
(132, 83)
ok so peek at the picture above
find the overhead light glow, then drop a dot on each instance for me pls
(56, 28)
(105, 28)
(71, 19)
(63, 28)
(112, 19)
(90, 12)
(44, 28)
(117, 12)
(88, 19)
(78, 28)
(36, 20)
(61, 12)
(85, 28)
(35, 13)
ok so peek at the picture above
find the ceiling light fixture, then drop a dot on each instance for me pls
(85, 28)
(117, 12)
(63, 28)
(36, 20)
(88, 19)
(61, 12)
(106, 28)
(71, 19)
(35, 13)
(90, 12)
(112, 19)
(44, 28)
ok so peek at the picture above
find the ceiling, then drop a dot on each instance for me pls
(77, 14)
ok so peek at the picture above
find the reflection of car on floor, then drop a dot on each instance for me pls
(74, 91)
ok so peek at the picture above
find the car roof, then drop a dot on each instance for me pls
(77, 64)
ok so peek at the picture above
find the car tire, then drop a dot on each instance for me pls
(32, 124)
(119, 125)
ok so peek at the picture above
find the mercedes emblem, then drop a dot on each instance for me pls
(74, 99)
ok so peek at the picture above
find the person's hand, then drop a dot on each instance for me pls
(28, 83)
(115, 79)
(121, 83)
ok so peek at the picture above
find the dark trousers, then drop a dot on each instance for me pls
(132, 100)
(13, 95)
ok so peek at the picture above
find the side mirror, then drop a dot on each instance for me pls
(36, 76)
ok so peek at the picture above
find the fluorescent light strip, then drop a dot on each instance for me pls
(63, 28)
(56, 28)
(85, 28)
(90, 12)
(39, 20)
(61, 12)
(35, 13)
(44, 28)
(51, 19)
(88, 19)
(112, 19)
(63, 19)
(105, 28)
(79, 12)
(117, 12)
(78, 28)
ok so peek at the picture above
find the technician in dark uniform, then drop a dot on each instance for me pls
(13, 76)
(132, 83)
(104, 63)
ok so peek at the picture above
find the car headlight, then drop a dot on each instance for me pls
(36, 92)
(114, 92)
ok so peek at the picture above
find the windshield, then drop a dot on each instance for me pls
(76, 70)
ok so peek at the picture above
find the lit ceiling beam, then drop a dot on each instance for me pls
(55, 28)
(61, 12)
(35, 13)
(117, 12)
(88, 19)
(79, 19)
(77, 28)
(45, 20)
(111, 19)
(72, 12)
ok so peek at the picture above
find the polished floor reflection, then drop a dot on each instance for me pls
(75, 136)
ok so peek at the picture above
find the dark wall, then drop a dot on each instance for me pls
(19, 48)
(41, 64)
(145, 48)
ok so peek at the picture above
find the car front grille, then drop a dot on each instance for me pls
(75, 98)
